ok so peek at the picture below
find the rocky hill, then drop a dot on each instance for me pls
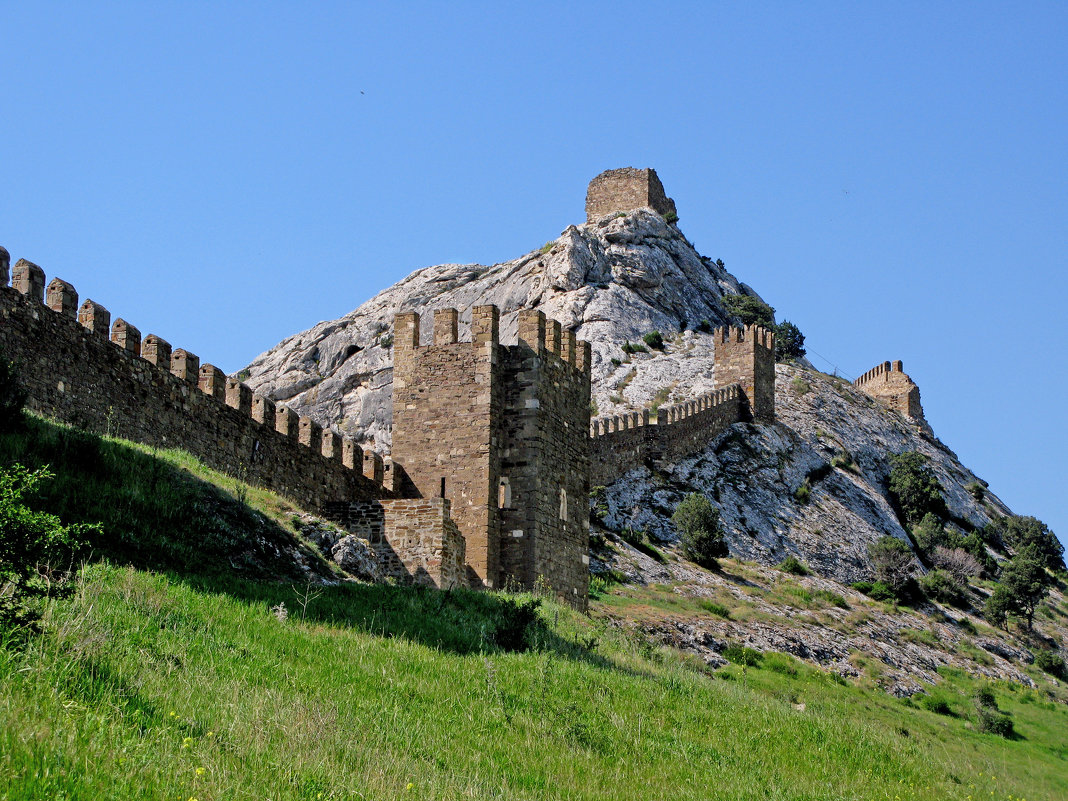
(614, 280)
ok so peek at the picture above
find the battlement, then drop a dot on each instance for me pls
(746, 356)
(624, 190)
(625, 441)
(889, 384)
(80, 367)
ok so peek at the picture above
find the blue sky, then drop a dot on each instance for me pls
(892, 178)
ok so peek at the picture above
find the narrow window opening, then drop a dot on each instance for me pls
(563, 504)
(504, 494)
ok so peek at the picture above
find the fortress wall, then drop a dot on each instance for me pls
(102, 377)
(415, 540)
(621, 443)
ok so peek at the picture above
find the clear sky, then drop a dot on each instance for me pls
(893, 177)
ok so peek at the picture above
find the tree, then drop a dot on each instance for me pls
(1020, 532)
(958, 563)
(1024, 583)
(914, 488)
(697, 522)
(892, 560)
(789, 342)
(31, 544)
(750, 310)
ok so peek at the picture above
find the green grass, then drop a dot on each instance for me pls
(187, 684)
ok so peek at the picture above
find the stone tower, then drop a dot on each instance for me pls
(889, 384)
(624, 190)
(747, 357)
(502, 432)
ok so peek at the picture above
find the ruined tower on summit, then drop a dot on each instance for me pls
(889, 384)
(627, 189)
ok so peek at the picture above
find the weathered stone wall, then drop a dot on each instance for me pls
(626, 189)
(415, 540)
(146, 392)
(447, 408)
(747, 357)
(888, 383)
(544, 481)
(621, 443)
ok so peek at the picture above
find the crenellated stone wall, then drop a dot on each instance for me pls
(889, 384)
(80, 368)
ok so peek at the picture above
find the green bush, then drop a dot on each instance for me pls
(638, 538)
(671, 218)
(700, 532)
(1052, 663)
(936, 702)
(994, 722)
(984, 697)
(791, 564)
(803, 494)
(750, 310)
(876, 590)
(713, 608)
(704, 327)
(914, 489)
(12, 396)
(741, 655)
(35, 547)
(1020, 531)
(654, 340)
(634, 347)
(941, 586)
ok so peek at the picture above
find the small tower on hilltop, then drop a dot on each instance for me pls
(747, 357)
(890, 385)
(627, 189)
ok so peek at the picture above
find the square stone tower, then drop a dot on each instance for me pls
(501, 431)
(624, 190)
(747, 357)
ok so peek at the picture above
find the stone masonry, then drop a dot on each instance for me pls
(746, 356)
(888, 383)
(624, 190)
(501, 431)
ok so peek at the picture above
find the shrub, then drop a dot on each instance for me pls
(995, 722)
(914, 489)
(984, 697)
(800, 386)
(843, 461)
(516, 625)
(671, 217)
(634, 347)
(1052, 663)
(789, 342)
(32, 544)
(977, 491)
(700, 532)
(654, 340)
(547, 247)
(780, 663)
(943, 587)
(616, 362)
(958, 563)
(741, 655)
(704, 327)
(892, 561)
(929, 533)
(937, 703)
(638, 538)
(862, 586)
(713, 608)
(750, 310)
(791, 564)
(803, 493)
(12, 396)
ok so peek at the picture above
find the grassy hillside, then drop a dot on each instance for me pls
(177, 678)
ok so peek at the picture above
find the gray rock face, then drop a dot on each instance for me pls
(614, 280)
(354, 555)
